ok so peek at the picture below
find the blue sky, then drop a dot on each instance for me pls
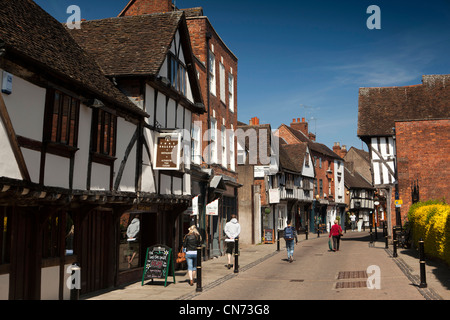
(309, 58)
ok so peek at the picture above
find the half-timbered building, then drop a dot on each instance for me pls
(329, 189)
(150, 59)
(406, 130)
(66, 170)
(214, 146)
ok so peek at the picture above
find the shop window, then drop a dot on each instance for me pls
(130, 241)
(70, 232)
(51, 242)
(5, 235)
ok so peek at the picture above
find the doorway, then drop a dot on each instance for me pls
(97, 251)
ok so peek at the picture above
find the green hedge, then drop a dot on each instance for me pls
(431, 221)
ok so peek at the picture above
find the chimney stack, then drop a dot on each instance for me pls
(340, 151)
(300, 126)
(254, 121)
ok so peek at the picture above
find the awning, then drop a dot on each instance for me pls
(218, 183)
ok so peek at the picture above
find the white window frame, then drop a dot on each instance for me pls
(232, 153)
(224, 146)
(213, 142)
(196, 145)
(212, 72)
(231, 92)
(222, 82)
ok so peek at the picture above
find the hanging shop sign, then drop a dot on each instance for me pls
(193, 210)
(167, 151)
(212, 208)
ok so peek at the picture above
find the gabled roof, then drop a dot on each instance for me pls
(34, 37)
(137, 45)
(130, 45)
(313, 145)
(353, 180)
(296, 153)
(379, 108)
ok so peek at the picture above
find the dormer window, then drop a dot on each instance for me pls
(177, 74)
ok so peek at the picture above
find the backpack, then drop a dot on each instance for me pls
(289, 233)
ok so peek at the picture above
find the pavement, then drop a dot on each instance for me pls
(215, 273)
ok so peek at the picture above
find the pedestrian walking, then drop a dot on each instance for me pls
(353, 221)
(232, 231)
(191, 242)
(290, 234)
(336, 233)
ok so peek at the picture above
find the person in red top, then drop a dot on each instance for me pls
(336, 233)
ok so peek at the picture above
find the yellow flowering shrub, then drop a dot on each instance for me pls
(431, 222)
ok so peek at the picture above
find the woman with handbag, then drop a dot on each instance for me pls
(336, 233)
(191, 242)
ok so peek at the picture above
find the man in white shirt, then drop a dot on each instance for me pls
(232, 230)
(353, 221)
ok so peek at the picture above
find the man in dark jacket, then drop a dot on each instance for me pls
(290, 235)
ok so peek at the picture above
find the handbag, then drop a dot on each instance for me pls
(329, 244)
(181, 256)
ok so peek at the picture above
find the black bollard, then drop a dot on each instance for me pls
(386, 238)
(199, 269)
(394, 238)
(236, 255)
(318, 231)
(306, 233)
(278, 240)
(423, 278)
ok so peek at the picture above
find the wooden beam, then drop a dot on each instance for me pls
(13, 140)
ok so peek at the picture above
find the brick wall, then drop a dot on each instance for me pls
(423, 153)
(198, 28)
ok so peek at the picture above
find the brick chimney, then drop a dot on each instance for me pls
(340, 151)
(300, 126)
(141, 7)
(254, 121)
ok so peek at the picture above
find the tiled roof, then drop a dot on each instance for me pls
(353, 180)
(379, 108)
(313, 145)
(30, 34)
(131, 45)
(296, 154)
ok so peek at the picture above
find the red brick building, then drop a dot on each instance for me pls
(213, 141)
(407, 130)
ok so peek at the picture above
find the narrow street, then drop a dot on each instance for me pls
(315, 271)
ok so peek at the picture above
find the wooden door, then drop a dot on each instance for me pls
(25, 269)
(97, 261)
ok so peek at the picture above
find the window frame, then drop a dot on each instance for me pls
(54, 127)
(231, 92)
(99, 118)
(212, 72)
(176, 72)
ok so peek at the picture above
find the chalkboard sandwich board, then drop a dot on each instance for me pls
(158, 261)
(268, 236)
